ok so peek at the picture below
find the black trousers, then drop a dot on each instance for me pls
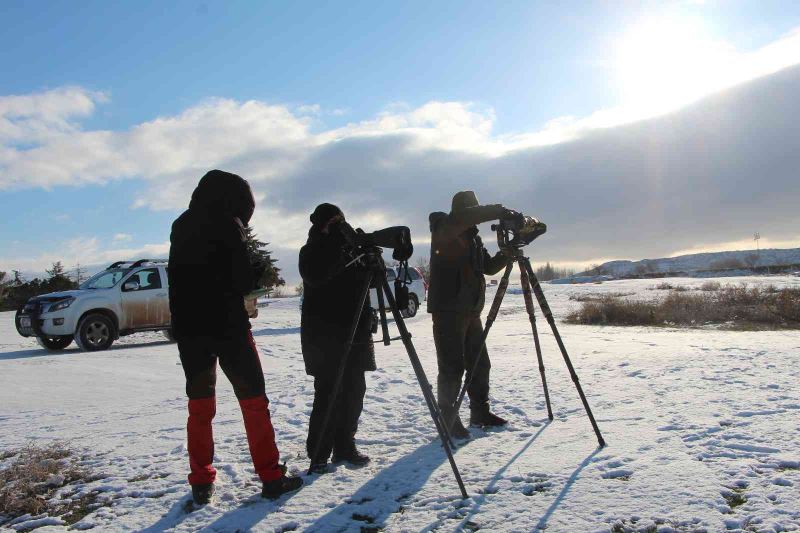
(237, 357)
(457, 337)
(341, 431)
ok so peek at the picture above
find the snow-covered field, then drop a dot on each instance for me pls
(690, 417)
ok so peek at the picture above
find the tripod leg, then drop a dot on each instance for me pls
(382, 312)
(427, 390)
(537, 290)
(526, 293)
(490, 318)
(340, 371)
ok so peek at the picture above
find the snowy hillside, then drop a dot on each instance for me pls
(703, 431)
(740, 260)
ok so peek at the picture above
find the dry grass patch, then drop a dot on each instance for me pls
(667, 286)
(595, 297)
(732, 306)
(30, 477)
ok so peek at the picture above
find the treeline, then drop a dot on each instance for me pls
(15, 290)
(549, 272)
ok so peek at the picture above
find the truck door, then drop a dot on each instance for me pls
(144, 298)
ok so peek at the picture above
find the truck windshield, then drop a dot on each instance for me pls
(103, 280)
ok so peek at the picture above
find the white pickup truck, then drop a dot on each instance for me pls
(125, 298)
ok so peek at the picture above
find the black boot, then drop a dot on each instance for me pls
(278, 487)
(319, 468)
(482, 417)
(201, 494)
(350, 454)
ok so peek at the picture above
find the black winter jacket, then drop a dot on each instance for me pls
(330, 298)
(209, 269)
(459, 260)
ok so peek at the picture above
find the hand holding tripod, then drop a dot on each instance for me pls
(512, 237)
(370, 257)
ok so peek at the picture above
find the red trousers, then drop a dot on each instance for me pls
(240, 363)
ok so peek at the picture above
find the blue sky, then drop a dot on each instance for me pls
(513, 66)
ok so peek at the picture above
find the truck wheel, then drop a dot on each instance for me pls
(95, 332)
(54, 343)
(413, 306)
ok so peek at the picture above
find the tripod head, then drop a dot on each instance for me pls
(518, 231)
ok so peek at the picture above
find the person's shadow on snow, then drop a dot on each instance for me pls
(384, 494)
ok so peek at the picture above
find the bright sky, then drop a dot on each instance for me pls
(111, 111)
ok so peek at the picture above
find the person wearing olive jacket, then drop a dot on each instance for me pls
(331, 294)
(456, 298)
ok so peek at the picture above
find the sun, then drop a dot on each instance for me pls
(664, 63)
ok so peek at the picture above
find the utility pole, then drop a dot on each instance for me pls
(756, 237)
(79, 273)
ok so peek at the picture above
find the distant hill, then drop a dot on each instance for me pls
(705, 264)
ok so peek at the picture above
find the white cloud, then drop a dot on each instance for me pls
(122, 237)
(39, 117)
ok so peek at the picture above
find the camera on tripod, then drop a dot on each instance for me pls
(518, 231)
(398, 238)
(367, 248)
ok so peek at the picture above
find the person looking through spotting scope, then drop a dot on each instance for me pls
(209, 274)
(456, 299)
(331, 291)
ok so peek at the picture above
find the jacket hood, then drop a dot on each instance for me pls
(436, 217)
(224, 193)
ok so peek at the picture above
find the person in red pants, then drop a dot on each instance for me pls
(209, 273)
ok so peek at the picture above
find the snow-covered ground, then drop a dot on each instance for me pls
(690, 417)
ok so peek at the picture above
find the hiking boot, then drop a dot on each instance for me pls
(350, 455)
(458, 431)
(319, 468)
(485, 418)
(201, 494)
(278, 487)
(454, 425)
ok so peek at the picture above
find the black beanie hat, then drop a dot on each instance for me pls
(323, 213)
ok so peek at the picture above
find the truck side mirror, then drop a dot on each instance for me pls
(130, 286)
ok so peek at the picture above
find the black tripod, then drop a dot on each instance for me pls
(528, 280)
(376, 271)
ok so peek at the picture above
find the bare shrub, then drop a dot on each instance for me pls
(605, 311)
(710, 286)
(663, 286)
(734, 306)
(31, 476)
(667, 286)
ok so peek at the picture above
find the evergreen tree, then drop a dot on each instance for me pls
(56, 271)
(58, 280)
(257, 250)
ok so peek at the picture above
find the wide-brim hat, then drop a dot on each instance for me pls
(463, 200)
